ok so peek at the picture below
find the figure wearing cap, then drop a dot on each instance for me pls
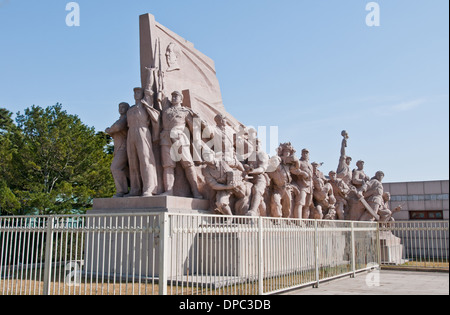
(141, 118)
(175, 144)
(359, 178)
(119, 166)
(304, 182)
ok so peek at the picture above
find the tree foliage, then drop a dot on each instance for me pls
(52, 163)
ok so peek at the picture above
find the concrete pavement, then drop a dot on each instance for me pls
(383, 282)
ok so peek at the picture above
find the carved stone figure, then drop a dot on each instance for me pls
(304, 182)
(260, 180)
(384, 212)
(176, 145)
(340, 192)
(280, 177)
(374, 196)
(141, 159)
(245, 143)
(324, 200)
(222, 139)
(343, 170)
(359, 178)
(119, 167)
(172, 56)
(225, 182)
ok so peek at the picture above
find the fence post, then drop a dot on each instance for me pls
(163, 252)
(316, 253)
(352, 240)
(48, 256)
(378, 245)
(261, 257)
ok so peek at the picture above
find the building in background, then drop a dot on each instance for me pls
(426, 200)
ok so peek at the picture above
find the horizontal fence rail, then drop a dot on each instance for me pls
(175, 254)
(415, 244)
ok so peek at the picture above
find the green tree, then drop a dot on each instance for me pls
(9, 203)
(57, 164)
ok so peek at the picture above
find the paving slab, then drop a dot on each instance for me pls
(383, 282)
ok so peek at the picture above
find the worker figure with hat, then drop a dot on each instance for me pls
(142, 118)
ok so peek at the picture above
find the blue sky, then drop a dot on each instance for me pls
(310, 67)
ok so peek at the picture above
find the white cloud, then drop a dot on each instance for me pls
(405, 106)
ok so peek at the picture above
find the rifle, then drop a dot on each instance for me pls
(369, 209)
(160, 95)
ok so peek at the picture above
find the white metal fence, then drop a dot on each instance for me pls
(415, 244)
(162, 253)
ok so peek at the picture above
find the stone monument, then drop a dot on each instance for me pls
(178, 150)
(181, 143)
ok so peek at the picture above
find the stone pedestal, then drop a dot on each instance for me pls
(134, 205)
(391, 249)
(123, 240)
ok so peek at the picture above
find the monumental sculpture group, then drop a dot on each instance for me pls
(178, 140)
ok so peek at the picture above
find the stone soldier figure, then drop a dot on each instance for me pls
(304, 182)
(324, 200)
(260, 180)
(282, 166)
(141, 159)
(374, 196)
(176, 144)
(384, 212)
(359, 178)
(119, 167)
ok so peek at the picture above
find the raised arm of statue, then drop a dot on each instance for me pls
(343, 146)
(344, 143)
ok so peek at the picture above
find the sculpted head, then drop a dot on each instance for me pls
(138, 93)
(286, 152)
(360, 164)
(123, 108)
(348, 160)
(177, 98)
(332, 175)
(220, 120)
(315, 165)
(379, 176)
(305, 154)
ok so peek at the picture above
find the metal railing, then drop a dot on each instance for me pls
(415, 244)
(167, 253)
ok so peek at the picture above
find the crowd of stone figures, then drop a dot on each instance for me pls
(164, 148)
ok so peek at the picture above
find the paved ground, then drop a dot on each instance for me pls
(384, 282)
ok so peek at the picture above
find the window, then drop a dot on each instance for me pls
(419, 197)
(426, 215)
